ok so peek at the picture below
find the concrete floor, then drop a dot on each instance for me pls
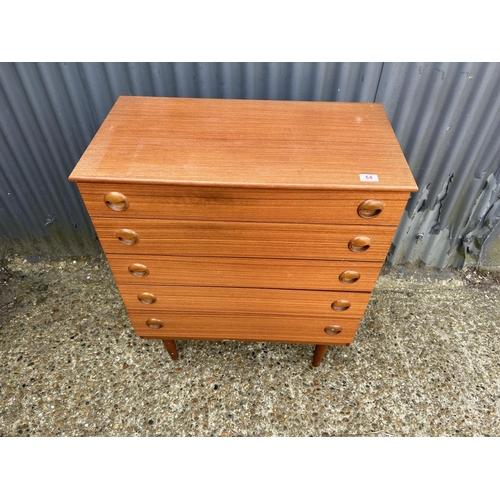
(425, 362)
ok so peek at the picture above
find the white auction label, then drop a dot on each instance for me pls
(369, 177)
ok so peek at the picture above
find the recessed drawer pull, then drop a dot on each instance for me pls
(139, 270)
(116, 201)
(349, 277)
(127, 236)
(154, 323)
(333, 329)
(146, 298)
(360, 244)
(341, 305)
(370, 208)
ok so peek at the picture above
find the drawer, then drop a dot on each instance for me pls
(295, 329)
(244, 239)
(238, 204)
(155, 298)
(246, 273)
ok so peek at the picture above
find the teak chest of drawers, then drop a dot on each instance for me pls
(245, 220)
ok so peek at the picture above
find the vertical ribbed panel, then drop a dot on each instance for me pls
(447, 119)
(445, 115)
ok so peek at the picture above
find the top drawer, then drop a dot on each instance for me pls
(381, 208)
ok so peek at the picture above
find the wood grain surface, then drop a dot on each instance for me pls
(244, 273)
(244, 300)
(243, 239)
(232, 219)
(233, 204)
(246, 143)
(295, 329)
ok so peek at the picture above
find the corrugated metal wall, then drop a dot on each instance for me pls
(445, 115)
(447, 119)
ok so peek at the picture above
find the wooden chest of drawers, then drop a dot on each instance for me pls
(245, 220)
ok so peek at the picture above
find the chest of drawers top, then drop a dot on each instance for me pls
(246, 144)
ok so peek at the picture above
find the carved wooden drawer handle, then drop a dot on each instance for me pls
(139, 270)
(349, 277)
(333, 329)
(360, 244)
(127, 236)
(154, 323)
(341, 305)
(370, 208)
(116, 201)
(146, 298)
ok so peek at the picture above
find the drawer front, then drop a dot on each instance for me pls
(193, 326)
(241, 272)
(155, 298)
(238, 204)
(244, 239)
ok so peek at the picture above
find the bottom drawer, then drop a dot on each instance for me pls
(250, 327)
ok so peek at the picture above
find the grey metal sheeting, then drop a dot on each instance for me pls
(445, 115)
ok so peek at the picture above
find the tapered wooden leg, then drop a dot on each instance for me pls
(319, 352)
(170, 347)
